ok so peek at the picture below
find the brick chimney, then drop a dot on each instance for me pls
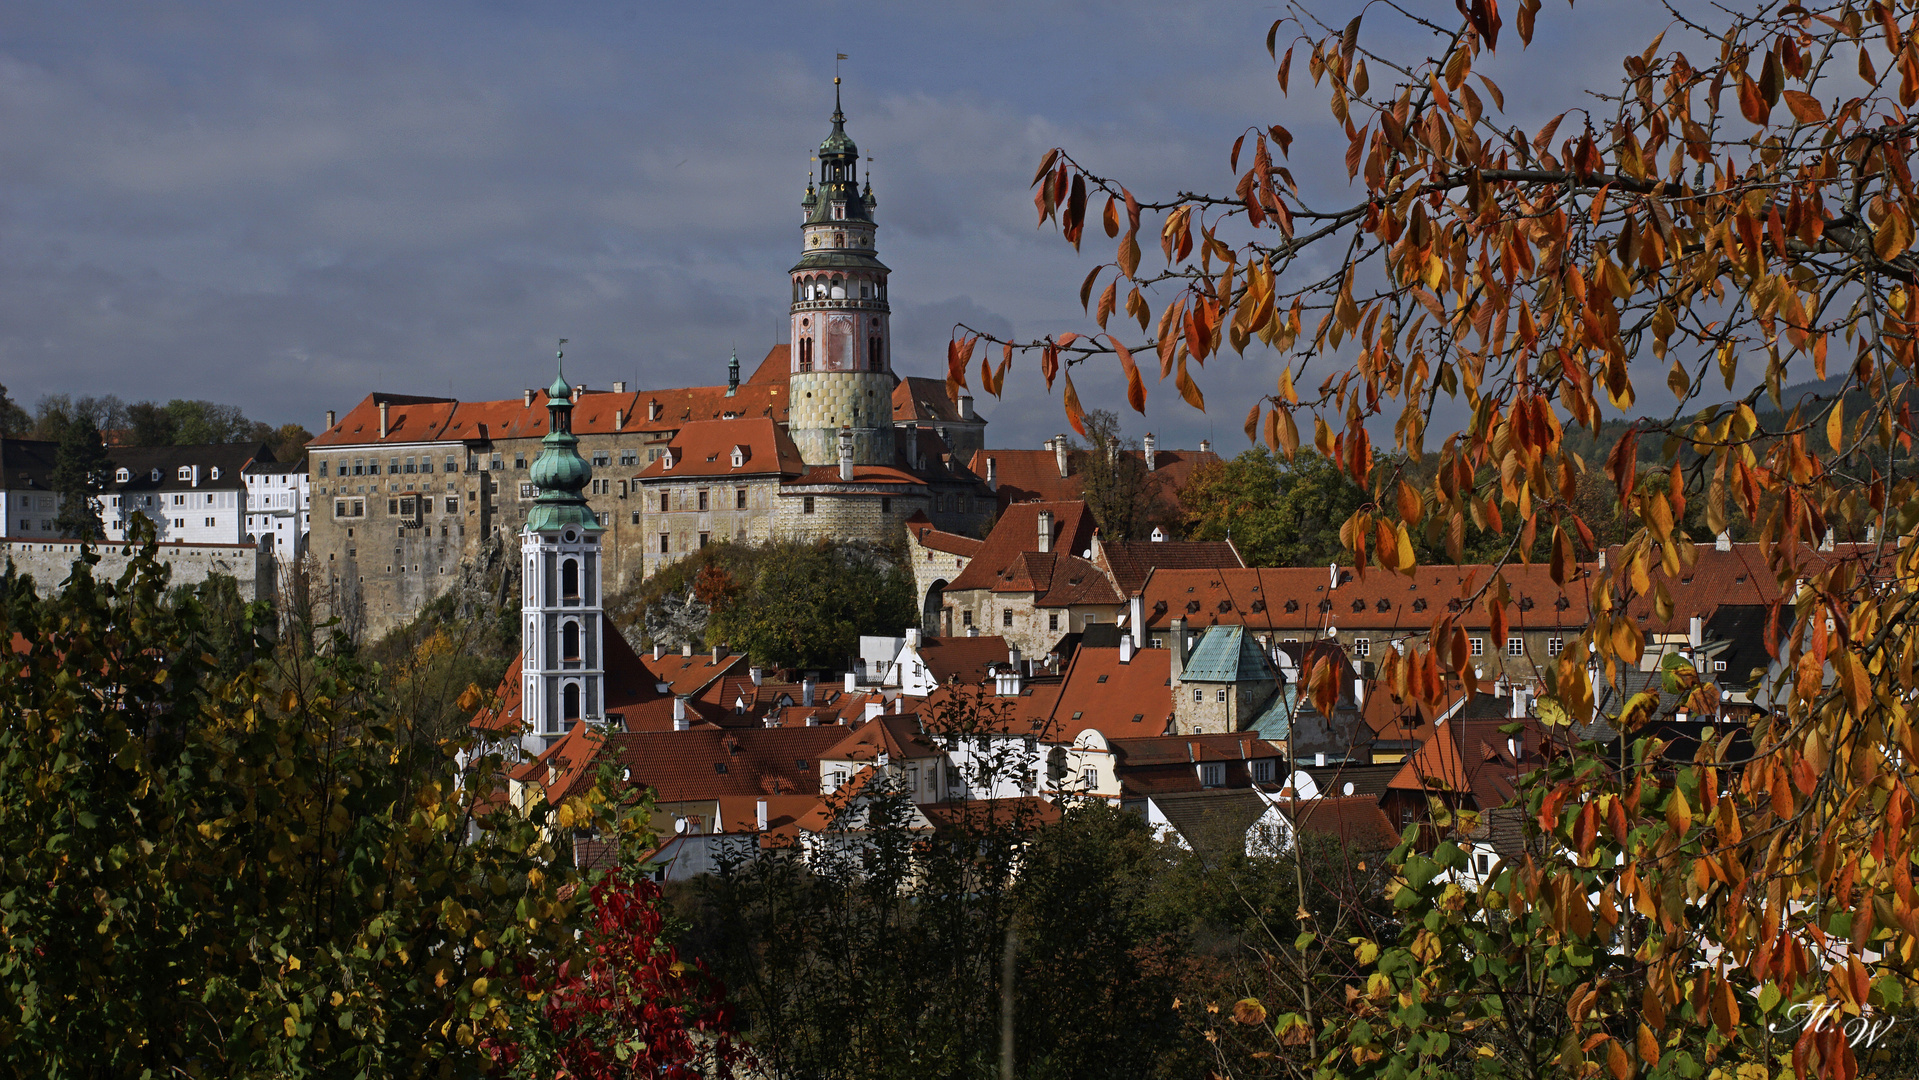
(1059, 454)
(1045, 530)
(331, 419)
(383, 408)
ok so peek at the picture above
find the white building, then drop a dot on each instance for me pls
(279, 506)
(27, 502)
(192, 494)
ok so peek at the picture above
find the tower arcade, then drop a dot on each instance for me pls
(841, 373)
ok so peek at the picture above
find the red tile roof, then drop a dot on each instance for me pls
(775, 370)
(898, 737)
(1133, 561)
(1357, 820)
(1017, 532)
(1025, 812)
(412, 419)
(705, 448)
(952, 543)
(1023, 475)
(710, 763)
(827, 475)
(1291, 598)
(1467, 757)
(1192, 749)
(1736, 576)
(1118, 700)
(1029, 712)
(921, 399)
(969, 660)
(688, 675)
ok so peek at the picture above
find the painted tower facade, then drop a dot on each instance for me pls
(841, 356)
(562, 665)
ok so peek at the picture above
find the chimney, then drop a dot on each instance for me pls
(806, 692)
(1722, 542)
(1059, 453)
(662, 687)
(846, 454)
(526, 397)
(1125, 650)
(680, 722)
(659, 650)
(619, 387)
(1825, 544)
(383, 408)
(719, 653)
(577, 392)
(965, 405)
(1205, 445)
(653, 409)
(912, 637)
(1696, 632)
(899, 705)
(1179, 647)
(1359, 693)
(1319, 760)
(992, 473)
(756, 674)
(1148, 445)
(195, 474)
(619, 418)
(1872, 534)
(1521, 701)
(873, 710)
(330, 418)
(760, 818)
(686, 648)
(1045, 530)
(1012, 656)
(1136, 616)
(851, 684)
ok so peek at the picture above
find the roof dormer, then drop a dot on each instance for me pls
(123, 476)
(740, 456)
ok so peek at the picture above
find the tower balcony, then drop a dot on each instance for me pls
(854, 303)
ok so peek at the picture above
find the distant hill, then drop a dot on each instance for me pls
(1594, 447)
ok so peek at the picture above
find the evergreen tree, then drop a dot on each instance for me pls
(79, 473)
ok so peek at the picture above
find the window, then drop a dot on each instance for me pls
(1263, 771)
(1515, 646)
(1222, 695)
(664, 500)
(1476, 646)
(703, 538)
(392, 466)
(739, 499)
(496, 464)
(702, 498)
(966, 618)
(1484, 862)
(636, 517)
(519, 460)
(1052, 620)
(1555, 646)
(886, 504)
(1089, 779)
(629, 457)
(452, 504)
(1362, 647)
(1198, 695)
(570, 579)
(452, 464)
(1719, 665)
(603, 518)
(526, 491)
(409, 465)
(806, 505)
(601, 459)
(1212, 774)
(570, 642)
(185, 473)
(665, 539)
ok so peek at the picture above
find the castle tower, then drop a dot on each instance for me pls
(562, 666)
(841, 356)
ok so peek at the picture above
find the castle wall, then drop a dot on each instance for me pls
(822, 401)
(50, 562)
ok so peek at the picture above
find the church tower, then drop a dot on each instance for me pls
(562, 666)
(841, 357)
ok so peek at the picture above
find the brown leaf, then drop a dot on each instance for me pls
(1411, 509)
(1107, 301)
(1288, 432)
(1893, 236)
(1135, 387)
(1074, 413)
(1111, 217)
(1129, 254)
(1188, 389)
(1805, 108)
(1752, 103)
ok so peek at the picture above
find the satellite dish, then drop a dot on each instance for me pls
(1349, 787)
(679, 825)
(626, 775)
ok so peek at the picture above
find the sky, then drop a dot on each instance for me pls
(287, 206)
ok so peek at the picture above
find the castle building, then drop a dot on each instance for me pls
(831, 443)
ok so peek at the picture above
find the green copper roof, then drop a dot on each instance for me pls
(1227, 654)
(560, 472)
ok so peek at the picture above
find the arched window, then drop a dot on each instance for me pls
(806, 354)
(570, 702)
(570, 579)
(873, 359)
(839, 288)
(570, 641)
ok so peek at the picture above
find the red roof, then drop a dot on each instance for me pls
(688, 675)
(1131, 562)
(711, 763)
(1029, 712)
(1357, 820)
(775, 370)
(707, 448)
(1016, 533)
(921, 399)
(1024, 475)
(1025, 811)
(898, 737)
(827, 475)
(1192, 749)
(412, 419)
(951, 543)
(1468, 757)
(969, 660)
(1737, 576)
(1298, 598)
(1118, 700)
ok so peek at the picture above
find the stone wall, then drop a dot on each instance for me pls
(822, 401)
(50, 562)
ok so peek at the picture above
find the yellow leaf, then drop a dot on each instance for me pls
(1616, 1060)
(1836, 427)
(1678, 814)
(1648, 1046)
(1188, 389)
(1288, 432)
(1893, 236)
